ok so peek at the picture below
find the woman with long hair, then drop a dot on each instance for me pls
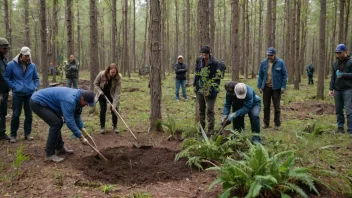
(108, 83)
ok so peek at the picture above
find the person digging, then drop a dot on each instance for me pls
(51, 104)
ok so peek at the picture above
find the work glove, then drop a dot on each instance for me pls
(282, 90)
(83, 140)
(231, 117)
(338, 74)
(223, 119)
(84, 132)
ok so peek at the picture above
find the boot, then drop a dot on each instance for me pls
(102, 130)
(64, 150)
(4, 137)
(54, 158)
(28, 137)
(115, 130)
(12, 139)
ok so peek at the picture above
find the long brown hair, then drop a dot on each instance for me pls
(112, 66)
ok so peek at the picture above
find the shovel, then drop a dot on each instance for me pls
(117, 114)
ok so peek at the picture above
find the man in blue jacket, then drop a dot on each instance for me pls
(341, 88)
(4, 88)
(181, 70)
(272, 83)
(243, 100)
(206, 86)
(51, 104)
(22, 77)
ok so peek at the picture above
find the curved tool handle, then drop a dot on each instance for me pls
(96, 150)
(91, 139)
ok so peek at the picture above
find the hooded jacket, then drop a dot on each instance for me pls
(21, 83)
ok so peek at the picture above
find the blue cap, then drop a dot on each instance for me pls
(341, 48)
(271, 51)
(88, 96)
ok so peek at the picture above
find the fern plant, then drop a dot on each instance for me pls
(170, 125)
(20, 158)
(107, 188)
(259, 173)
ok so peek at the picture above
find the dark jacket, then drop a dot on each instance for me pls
(22, 84)
(4, 88)
(72, 69)
(222, 66)
(214, 74)
(241, 106)
(345, 82)
(180, 70)
(279, 74)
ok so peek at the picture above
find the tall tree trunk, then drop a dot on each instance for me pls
(212, 25)
(273, 25)
(320, 87)
(298, 57)
(203, 11)
(346, 21)
(79, 39)
(8, 26)
(269, 25)
(145, 35)
(260, 33)
(341, 20)
(134, 37)
(102, 41)
(288, 41)
(70, 44)
(43, 43)
(26, 24)
(188, 38)
(93, 42)
(246, 60)
(177, 32)
(54, 34)
(113, 33)
(234, 34)
(224, 43)
(243, 43)
(155, 65)
(125, 38)
(333, 38)
(293, 41)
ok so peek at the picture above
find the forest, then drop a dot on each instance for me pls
(161, 148)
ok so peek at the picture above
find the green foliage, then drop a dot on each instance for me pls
(207, 84)
(107, 188)
(140, 195)
(170, 125)
(20, 158)
(260, 172)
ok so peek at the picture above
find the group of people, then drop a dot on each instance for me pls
(54, 105)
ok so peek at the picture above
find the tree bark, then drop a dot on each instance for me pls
(54, 33)
(269, 24)
(243, 41)
(203, 18)
(145, 35)
(247, 46)
(234, 34)
(113, 33)
(125, 38)
(93, 42)
(8, 26)
(155, 65)
(341, 20)
(298, 57)
(134, 37)
(320, 87)
(224, 45)
(43, 43)
(346, 21)
(177, 32)
(260, 32)
(26, 24)
(212, 24)
(79, 39)
(273, 25)
(188, 38)
(70, 44)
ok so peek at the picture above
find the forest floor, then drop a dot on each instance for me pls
(308, 125)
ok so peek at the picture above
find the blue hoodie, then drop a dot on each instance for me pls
(249, 102)
(64, 101)
(279, 74)
(22, 84)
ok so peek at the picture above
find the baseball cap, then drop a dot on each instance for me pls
(241, 90)
(25, 51)
(341, 48)
(271, 51)
(88, 96)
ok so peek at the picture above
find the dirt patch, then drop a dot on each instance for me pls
(130, 166)
(311, 107)
(130, 89)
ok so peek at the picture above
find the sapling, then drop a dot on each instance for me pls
(20, 158)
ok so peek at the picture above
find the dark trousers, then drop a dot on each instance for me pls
(238, 122)
(55, 122)
(310, 79)
(72, 83)
(274, 95)
(343, 100)
(17, 103)
(206, 104)
(103, 107)
(3, 113)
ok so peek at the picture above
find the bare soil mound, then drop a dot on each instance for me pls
(130, 166)
(311, 107)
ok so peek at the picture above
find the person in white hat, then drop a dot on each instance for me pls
(181, 70)
(22, 77)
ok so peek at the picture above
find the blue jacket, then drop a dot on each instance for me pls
(22, 84)
(65, 102)
(249, 102)
(279, 74)
(214, 73)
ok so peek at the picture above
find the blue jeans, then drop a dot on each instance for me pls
(238, 123)
(73, 81)
(3, 113)
(343, 100)
(183, 85)
(17, 103)
(55, 122)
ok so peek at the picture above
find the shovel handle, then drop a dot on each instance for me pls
(96, 150)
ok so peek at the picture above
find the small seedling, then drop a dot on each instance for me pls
(108, 188)
(20, 158)
(140, 195)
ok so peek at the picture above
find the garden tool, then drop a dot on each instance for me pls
(95, 148)
(97, 151)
